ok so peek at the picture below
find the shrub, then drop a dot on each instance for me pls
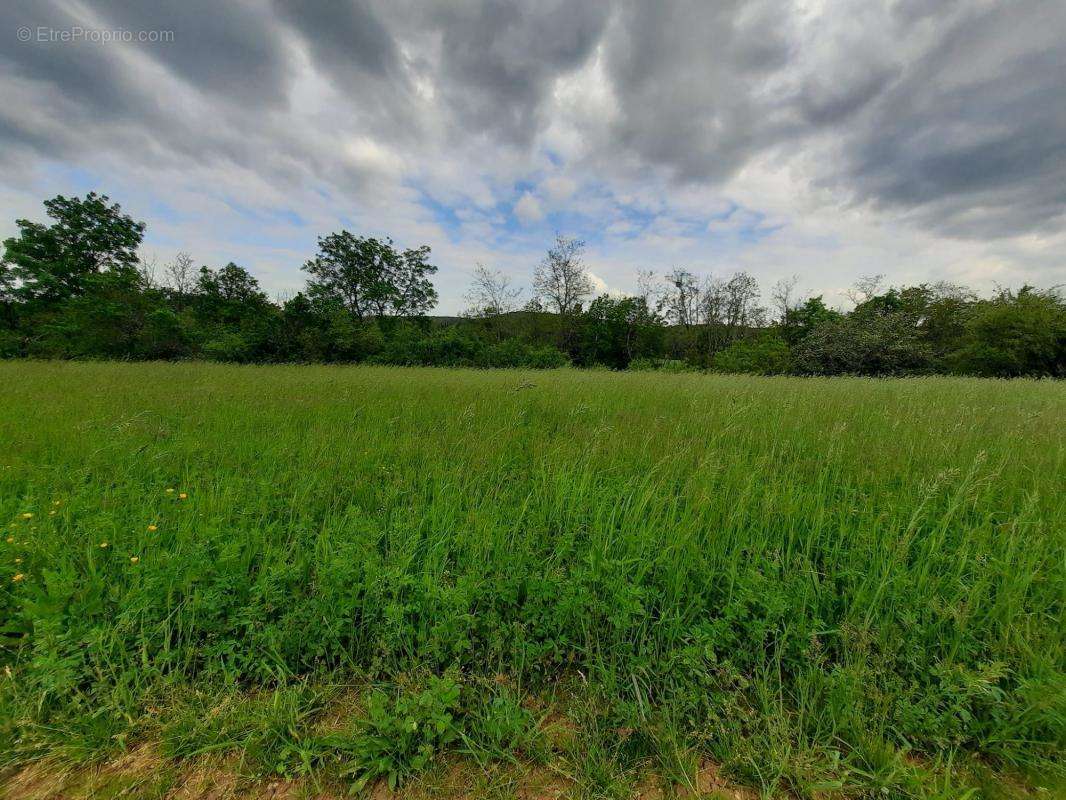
(763, 355)
(660, 364)
(889, 344)
(1014, 335)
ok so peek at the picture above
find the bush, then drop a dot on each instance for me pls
(660, 364)
(546, 357)
(227, 346)
(456, 347)
(1014, 335)
(889, 344)
(764, 355)
(10, 344)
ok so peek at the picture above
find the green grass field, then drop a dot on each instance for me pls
(343, 576)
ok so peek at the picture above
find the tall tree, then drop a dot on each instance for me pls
(179, 274)
(236, 320)
(561, 279)
(682, 298)
(369, 278)
(800, 320)
(228, 294)
(414, 292)
(615, 330)
(53, 262)
(783, 296)
(491, 294)
(731, 310)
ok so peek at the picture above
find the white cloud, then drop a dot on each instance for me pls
(528, 209)
(558, 188)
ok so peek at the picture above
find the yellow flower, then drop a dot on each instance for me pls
(183, 496)
(18, 560)
(134, 559)
(27, 515)
(153, 528)
(170, 491)
(103, 544)
(18, 578)
(10, 539)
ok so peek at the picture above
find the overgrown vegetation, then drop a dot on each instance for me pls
(76, 289)
(349, 573)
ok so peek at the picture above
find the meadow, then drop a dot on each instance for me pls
(354, 577)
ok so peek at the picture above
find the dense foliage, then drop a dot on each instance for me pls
(76, 289)
(816, 583)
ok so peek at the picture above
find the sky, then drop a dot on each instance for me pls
(823, 139)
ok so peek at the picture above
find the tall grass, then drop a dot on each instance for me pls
(815, 581)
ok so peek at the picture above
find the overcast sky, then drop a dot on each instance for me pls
(923, 139)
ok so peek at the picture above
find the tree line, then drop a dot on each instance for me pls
(77, 288)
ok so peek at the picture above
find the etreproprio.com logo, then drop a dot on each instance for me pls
(76, 34)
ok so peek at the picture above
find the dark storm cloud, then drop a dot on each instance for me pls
(972, 136)
(69, 101)
(965, 131)
(498, 60)
(348, 39)
(828, 102)
(83, 74)
(953, 113)
(685, 75)
(222, 47)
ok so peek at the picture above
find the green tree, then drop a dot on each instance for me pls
(115, 315)
(615, 330)
(414, 293)
(370, 278)
(50, 263)
(561, 280)
(874, 344)
(228, 295)
(235, 319)
(798, 321)
(1014, 334)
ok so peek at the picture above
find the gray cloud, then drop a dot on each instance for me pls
(687, 77)
(231, 49)
(348, 39)
(498, 59)
(971, 137)
(950, 114)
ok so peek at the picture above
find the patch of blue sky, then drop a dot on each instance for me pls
(265, 217)
(135, 201)
(742, 225)
(78, 181)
